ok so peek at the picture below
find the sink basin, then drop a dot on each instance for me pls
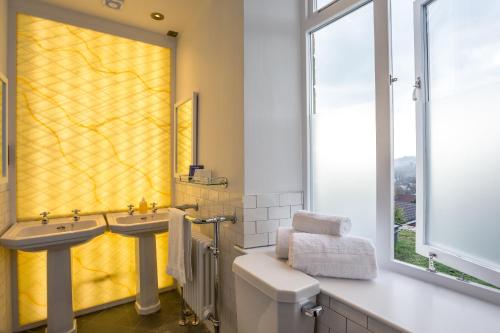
(137, 224)
(143, 227)
(57, 237)
(63, 232)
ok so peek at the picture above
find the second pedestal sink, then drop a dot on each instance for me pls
(57, 237)
(143, 227)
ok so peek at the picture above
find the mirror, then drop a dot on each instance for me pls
(3, 125)
(185, 135)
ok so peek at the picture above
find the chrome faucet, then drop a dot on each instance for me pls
(154, 207)
(75, 212)
(45, 217)
(131, 210)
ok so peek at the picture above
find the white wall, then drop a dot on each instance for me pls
(273, 104)
(5, 303)
(210, 61)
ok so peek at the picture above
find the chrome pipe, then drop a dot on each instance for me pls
(188, 206)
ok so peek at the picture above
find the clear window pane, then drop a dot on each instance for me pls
(463, 140)
(343, 120)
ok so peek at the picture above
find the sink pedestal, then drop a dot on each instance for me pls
(147, 299)
(59, 293)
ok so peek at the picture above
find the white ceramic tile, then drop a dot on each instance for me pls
(268, 200)
(323, 300)
(285, 222)
(276, 213)
(256, 240)
(294, 209)
(291, 199)
(267, 226)
(333, 320)
(250, 201)
(255, 214)
(349, 312)
(249, 228)
(213, 195)
(272, 238)
(352, 327)
(322, 329)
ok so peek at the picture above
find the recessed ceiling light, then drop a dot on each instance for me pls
(113, 4)
(157, 16)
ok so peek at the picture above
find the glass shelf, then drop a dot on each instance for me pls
(216, 181)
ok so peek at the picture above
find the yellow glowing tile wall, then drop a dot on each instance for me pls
(93, 132)
(103, 271)
(93, 120)
(184, 137)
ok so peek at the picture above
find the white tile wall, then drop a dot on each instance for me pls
(218, 202)
(339, 317)
(264, 213)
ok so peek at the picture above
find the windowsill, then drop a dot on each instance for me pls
(410, 304)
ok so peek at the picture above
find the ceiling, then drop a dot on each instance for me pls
(136, 13)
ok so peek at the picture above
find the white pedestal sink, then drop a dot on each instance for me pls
(143, 227)
(57, 237)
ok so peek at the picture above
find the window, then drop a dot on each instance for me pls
(458, 183)
(441, 134)
(343, 120)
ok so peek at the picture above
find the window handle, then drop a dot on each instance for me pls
(417, 85)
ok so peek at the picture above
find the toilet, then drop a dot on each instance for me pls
(271, 297)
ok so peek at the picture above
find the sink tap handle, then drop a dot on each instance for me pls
(130, 209)
(154, 207)
(75, 212)
(45, 217)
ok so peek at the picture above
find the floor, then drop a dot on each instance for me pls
(124, 319)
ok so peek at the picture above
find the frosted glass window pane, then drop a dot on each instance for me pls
(343, 121)
(463, 147)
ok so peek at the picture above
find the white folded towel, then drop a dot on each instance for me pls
(314, 223)
(179, 247)
(333, 256)
(282, 237)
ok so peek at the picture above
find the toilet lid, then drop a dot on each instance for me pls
(275, 278)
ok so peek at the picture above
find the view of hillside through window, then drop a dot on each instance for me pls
(405, 181)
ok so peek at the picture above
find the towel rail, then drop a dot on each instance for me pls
(215, 249)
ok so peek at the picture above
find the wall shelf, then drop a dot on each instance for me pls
(205, 181)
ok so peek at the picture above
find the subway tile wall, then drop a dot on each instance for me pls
(4, 267)
(259, 216)
(214, 201)
(264, 213)
(339, 317)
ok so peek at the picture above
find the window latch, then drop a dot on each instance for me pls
(417, 85)
(432, 267)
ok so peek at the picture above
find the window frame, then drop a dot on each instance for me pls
(464, 264)
(384, 239)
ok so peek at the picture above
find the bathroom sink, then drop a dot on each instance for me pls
(62, 232)
(134, 225)
(143, 228)
(57, 237)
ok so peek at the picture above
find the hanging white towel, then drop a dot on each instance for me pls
(282, 237)
(315, 223)
(179, 247)
(333, 256)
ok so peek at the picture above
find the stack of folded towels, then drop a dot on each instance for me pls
(317, 245)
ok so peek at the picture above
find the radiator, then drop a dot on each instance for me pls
(199, 293)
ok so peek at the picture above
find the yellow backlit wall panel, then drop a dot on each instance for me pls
(93, 132)
(184, 137)
(93, 120)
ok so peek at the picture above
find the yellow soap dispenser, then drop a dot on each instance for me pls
(143, 206)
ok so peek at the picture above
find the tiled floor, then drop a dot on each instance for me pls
(124, 319)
